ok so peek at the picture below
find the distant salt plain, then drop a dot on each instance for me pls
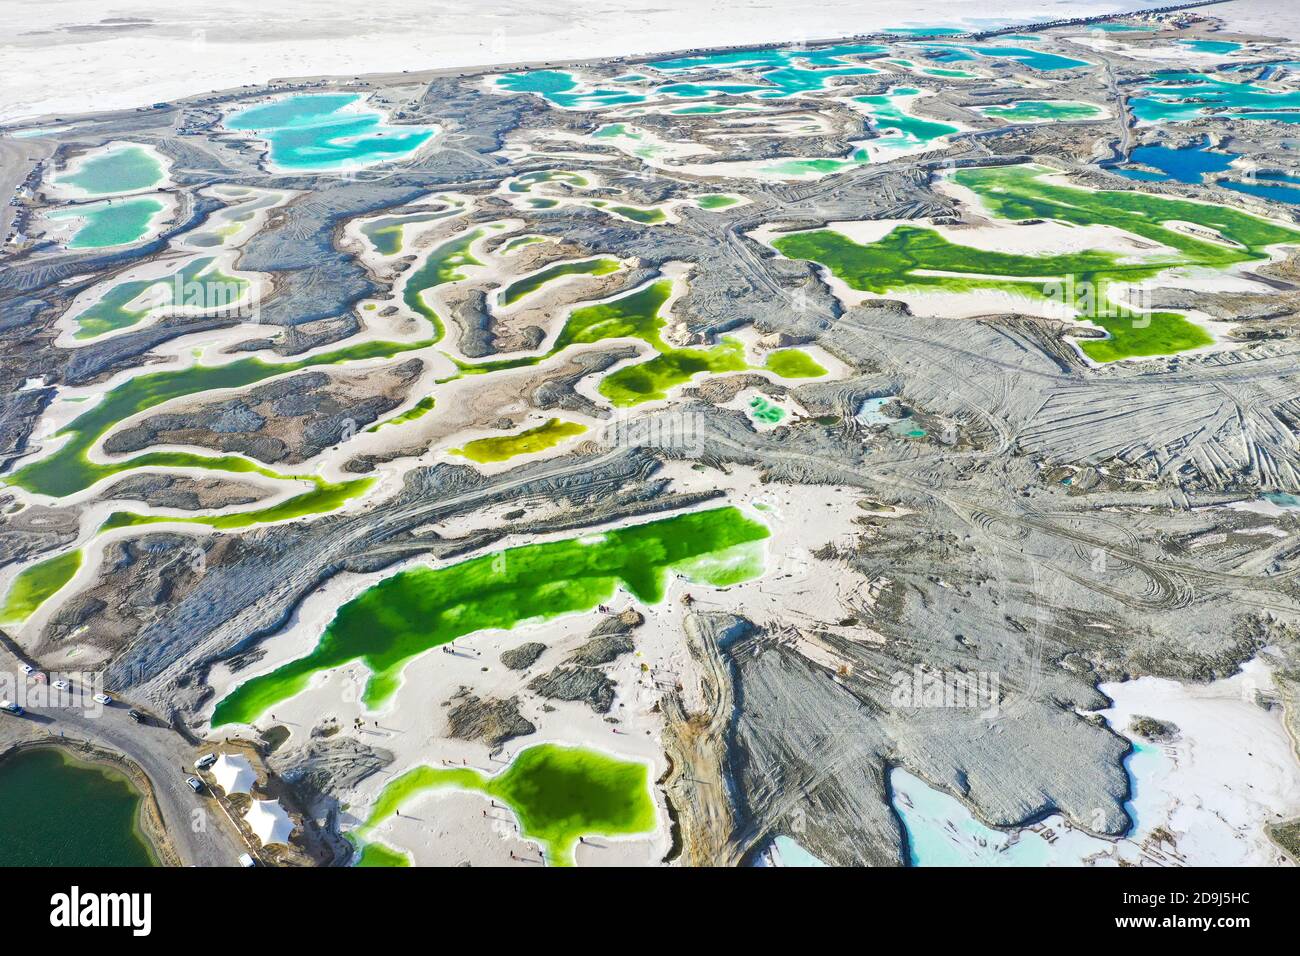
(89, 55)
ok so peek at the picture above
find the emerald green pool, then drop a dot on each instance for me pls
(915, 257)
(639, 314)
(558, 793)
(765, 411)
(61, 812)
(647, 216)
(412, 611)
(37, 584)
(443, 264)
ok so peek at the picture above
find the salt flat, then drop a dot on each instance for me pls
(83, 55)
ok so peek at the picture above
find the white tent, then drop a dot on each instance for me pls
(234, 774)
(269, 821)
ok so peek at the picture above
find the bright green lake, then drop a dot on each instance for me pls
(558, 793)
(409, 613)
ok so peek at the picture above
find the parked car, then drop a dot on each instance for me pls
(28, 668)
(60, 685)
(10, 707)
(138, 717)
(206, 761)
(246, 860)
(103, 699)
(195, 784)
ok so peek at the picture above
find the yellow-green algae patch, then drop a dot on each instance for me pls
(415, 610)
(558, 793)
(416, 411)
(503, 447)
(794, 363)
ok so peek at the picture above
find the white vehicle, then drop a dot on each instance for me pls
(206, 761)
(102, 699)
(28, 668)
(246, 860)
(60, 685)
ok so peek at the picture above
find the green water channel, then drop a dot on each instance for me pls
(386, 233)
(1036, 111)
(416, 411)
(59, 811)
(915, 257)
(69, 469)
(405, 615)
(530, 284)
(442, 265)
(558, 793)
(323, 498)
(638, 314)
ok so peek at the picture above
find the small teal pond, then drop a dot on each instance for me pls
(1211, 46)
(321, 132)
(111, 222)
(792, 854)
(123, 168)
